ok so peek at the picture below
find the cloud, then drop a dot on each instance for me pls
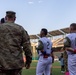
(31, 2)
(40, 1)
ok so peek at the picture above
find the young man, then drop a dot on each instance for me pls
(45, 49)
(12, 38)
(70, 47)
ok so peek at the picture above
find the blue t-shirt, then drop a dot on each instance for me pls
(61, 61)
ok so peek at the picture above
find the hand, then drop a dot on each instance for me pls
(27, 66)
(75, 51)
(44, 53)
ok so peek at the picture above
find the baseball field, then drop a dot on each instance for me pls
(32, 71)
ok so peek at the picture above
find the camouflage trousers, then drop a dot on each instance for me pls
(11, 72)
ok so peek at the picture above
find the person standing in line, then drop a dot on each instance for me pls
(44, 48)
(61, 59)
(14, 39)
(70, 47)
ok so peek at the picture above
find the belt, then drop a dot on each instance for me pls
(46, 55)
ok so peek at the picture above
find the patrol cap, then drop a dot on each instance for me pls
(10, 14)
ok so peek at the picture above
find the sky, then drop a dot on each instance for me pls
(34, 15)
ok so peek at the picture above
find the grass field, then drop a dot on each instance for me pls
(32, 70)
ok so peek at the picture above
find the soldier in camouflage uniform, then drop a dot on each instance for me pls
(14, 39)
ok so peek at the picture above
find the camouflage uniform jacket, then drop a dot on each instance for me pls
(13, 41)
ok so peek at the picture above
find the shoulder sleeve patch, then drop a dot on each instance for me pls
(67, 42)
